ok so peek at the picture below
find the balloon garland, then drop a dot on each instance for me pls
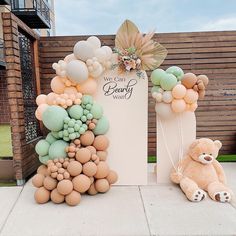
(176, 92)
(74, 152)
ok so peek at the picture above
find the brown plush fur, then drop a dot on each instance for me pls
(199, 171)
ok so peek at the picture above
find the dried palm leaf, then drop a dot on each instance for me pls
(151, 53)
(125, 34)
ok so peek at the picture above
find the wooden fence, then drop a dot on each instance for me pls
(210, 53)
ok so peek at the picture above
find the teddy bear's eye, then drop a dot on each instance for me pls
(204, 153)
(210, 154)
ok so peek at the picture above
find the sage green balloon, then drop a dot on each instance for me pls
(76, 111)
(50, 138)
(96, 111)
(156, 89)
(57, 149)
(44, 159)
(55, 134)
(53, 118)
(102, 126)
(42, 147)
(168, 82)
(176, 71)
(157, 75)
(87, 99)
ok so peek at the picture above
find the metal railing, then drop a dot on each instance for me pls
(38, 6)
(2, 57)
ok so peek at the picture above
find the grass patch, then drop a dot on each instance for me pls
(7, 184)
(5, 141)
(221, 158)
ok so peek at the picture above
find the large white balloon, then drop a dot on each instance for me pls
(108, 52)
(77, 71)
(94, 41)
(164, 110)
(100, 54)
(69, 58)
(83, 50)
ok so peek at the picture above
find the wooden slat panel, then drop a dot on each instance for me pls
(210, 53)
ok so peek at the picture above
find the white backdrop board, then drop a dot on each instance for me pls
(124, 98)
(169, 137)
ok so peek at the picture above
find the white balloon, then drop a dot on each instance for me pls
(83, 50)
(70, 57)
(164, 110)
(108, 51)
(77, 71)
(94, 41)
(100, 54)
(167, 97)
(96, 73)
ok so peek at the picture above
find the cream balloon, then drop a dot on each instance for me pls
(94, 41)
(83, 50)
(164, 110)
(108, 52)
(100, 54)
(77, 71)
(167, 97)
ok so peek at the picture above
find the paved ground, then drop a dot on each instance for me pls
(135, 210)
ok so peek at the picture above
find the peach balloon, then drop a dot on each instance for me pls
(178, 105)
(40, 110)
(57, 85)
(42, 98)
(70, 90)
(88, 87)
(191, 96)
(51, 98)
(179, 91)
(193, 107)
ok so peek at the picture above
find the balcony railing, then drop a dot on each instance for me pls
(2, 57)
(5, 2)
(34, 13)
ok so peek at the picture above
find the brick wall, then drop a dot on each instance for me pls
(4, 105)
(25, 160)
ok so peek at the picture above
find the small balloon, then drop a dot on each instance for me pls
(41, 99)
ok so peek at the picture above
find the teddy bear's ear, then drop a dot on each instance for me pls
(218, 144)
(194, 144)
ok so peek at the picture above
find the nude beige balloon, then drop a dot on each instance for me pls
(37, 180)
(42, 195)
(73, 198)
(102, 170)
(81, 183)
(65, 187)
(56, 197)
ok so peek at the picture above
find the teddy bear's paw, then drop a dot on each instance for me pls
(198, 195)
(223, 196)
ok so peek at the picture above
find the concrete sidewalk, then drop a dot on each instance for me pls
(134, 210)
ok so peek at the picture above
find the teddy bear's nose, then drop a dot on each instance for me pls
(208, 158)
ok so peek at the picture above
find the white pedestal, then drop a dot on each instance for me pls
(169, 135)
(124, 99)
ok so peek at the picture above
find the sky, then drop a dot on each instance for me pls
(92, 17)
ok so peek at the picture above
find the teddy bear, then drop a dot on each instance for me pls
(199, 172)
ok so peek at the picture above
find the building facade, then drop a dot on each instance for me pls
(22, 22)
